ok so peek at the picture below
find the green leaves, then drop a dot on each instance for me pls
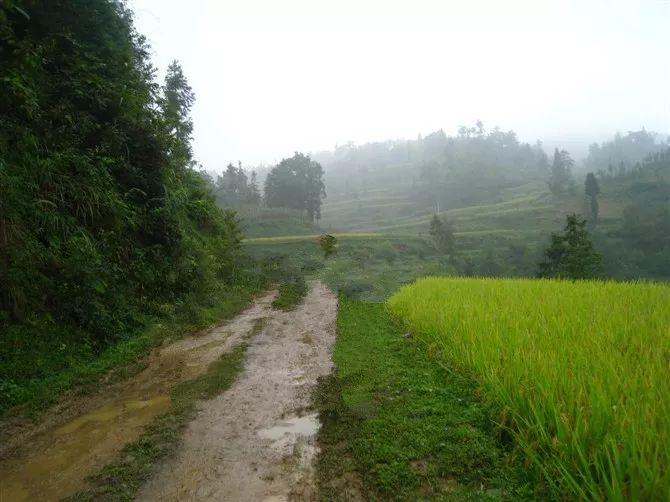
(296, 183)
(570, 254)
(101, 215)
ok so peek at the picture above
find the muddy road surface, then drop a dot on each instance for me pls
(256, 441)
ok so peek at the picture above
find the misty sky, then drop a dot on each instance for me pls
(272, 77)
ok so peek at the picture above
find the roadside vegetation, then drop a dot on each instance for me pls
(68, 370)
(578, 370)
(399, 425)
(110, 237)
(291, 293)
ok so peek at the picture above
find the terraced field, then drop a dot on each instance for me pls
(579, 371)
(525, 215)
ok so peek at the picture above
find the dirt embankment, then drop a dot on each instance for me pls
(256, 441)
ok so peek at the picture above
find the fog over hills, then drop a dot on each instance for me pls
(272, 78)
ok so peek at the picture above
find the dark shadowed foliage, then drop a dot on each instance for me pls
(570, 254)
(102, 217)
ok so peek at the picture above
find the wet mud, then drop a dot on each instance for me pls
(257, 441)
(50, 460)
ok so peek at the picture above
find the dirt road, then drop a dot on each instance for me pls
(253, 442)
(256, 442)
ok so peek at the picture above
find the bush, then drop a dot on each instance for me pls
(291, 292)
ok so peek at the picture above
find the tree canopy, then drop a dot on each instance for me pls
(624, 151)
(101, 214)
(296, 183)
(560, 179)
(442, 232)
(570, 254)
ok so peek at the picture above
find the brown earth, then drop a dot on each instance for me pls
(257, 441)
(50, 459)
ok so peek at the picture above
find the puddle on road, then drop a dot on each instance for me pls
(90, 439)
(54, 464)
(300, 426)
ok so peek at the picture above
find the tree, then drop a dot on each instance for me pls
(623, 150)
(328, 244)
(296, 183)
(441, 230)
(253, 193)
(232, 188)
(100, 209)
(315, 190)
(176, 104)
(592, 190)
(570, 255)
(560, 177)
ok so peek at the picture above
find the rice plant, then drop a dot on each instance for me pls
(579, 370)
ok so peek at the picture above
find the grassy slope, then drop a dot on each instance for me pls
(372, 265)
(398, 426)
(526, 213)
(266, 222)
(83, 369)
(378, 255)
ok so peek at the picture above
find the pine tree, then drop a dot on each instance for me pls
(560, 178)
(592, 190)
(176, 105)
(253, 192)
(442, 232)
(570, 255)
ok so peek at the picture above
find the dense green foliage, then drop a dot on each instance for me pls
(398, 426)
(296, 183)
(103, 220)
(583, 389)
(570, 254)
(328, 244)
(235, 189)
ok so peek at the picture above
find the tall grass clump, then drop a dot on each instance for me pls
(579, 370)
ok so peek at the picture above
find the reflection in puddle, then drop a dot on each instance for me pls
(301, 426)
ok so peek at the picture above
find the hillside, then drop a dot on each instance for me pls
(105, 226)
(512, 212)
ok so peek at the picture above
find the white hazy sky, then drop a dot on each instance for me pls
(275, 76)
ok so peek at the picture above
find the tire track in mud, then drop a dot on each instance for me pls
(257, 440)
(50, 460)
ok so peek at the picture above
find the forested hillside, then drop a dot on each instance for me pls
(473, 167)
(502, 197)
(104, 222)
